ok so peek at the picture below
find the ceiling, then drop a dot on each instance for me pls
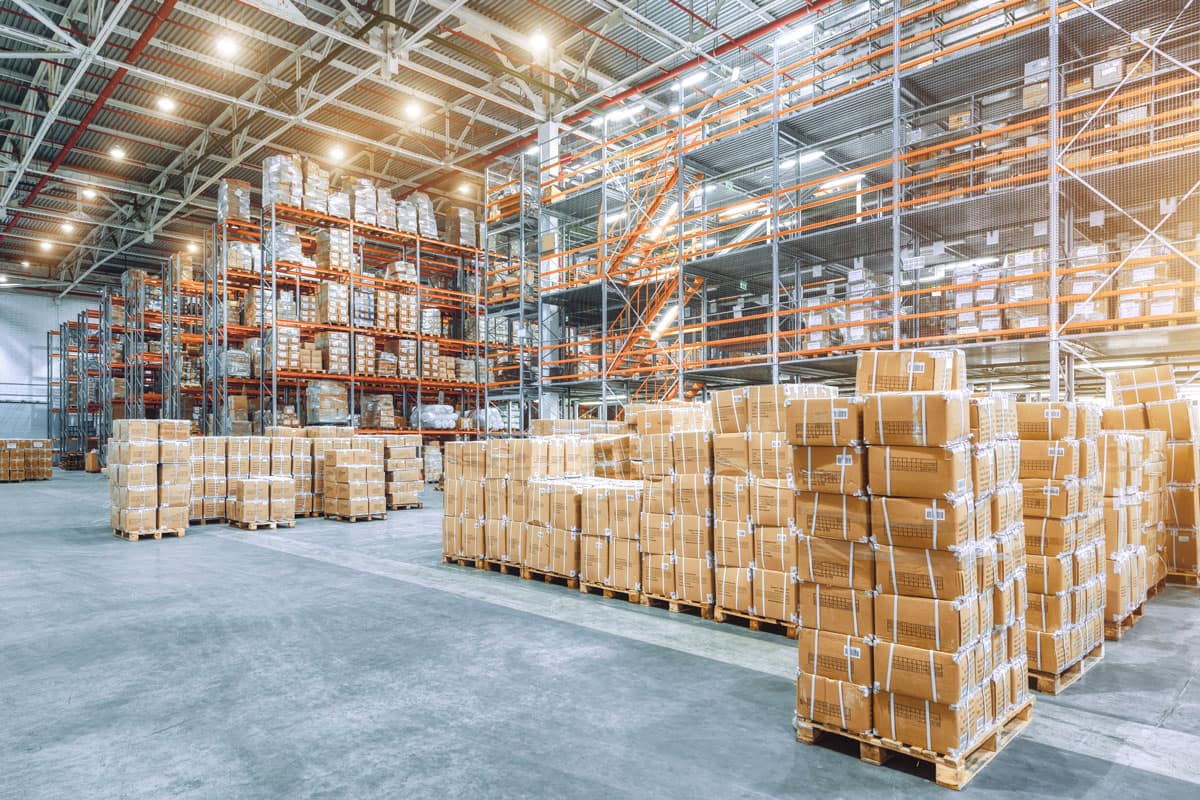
(418, 95)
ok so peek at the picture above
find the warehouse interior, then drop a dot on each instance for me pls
(757, 397)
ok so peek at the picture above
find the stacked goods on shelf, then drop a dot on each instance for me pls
(326, 402)
(233, 200)
(402, 468)
(1065, 537)
(364, 354)
(433, 463)
(378, 411)
(354, 484)
(25, 460)
(149, 477)
(335, 351)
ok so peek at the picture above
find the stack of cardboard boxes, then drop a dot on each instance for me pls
(25, 460)
(255, 502)
(1126, 564)
(1062, 495)
(463, 510)
(149, 477)
(354, 484)
(402, 471)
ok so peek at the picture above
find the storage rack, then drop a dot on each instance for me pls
(847, 193)
(75, 377)
(223, 287)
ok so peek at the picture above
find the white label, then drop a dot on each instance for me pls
(1086, 307)
(1053, 413)
(855, 275)
(858, 315)
(12, 445)
(1183, 538)
(1081, 287)
(845, 461)
(937, 514)
(814, 340)
(1057, 451)
(1051, 491)
(1142, 274)
(1023, 258)
(962, 484)
(841, 413)
(854, 652)
(1022, 293)
(1031, 322)
(916, 367)
(1162, 307)
(913, 262)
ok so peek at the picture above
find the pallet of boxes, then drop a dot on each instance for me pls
(149, 478)
(1122, 455)
(403, 476)
(209, 483)
(554, 512)
(910, 604)
(463, 510)
(25, 460)
(354, 482)
(1062, 500)
(1148, 399)
(507, 500)
(261, 487)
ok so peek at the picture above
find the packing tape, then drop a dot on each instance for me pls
(887, 470)
(892, 561)
(932, 678)
(895, 615)
(845, 520)
(887, 520)
(812, 694)
(887, 681)
(928, 733)
(892, 713)
(935, 524)
(808, 543)
(818, 601)
(851, 571)
(932, 583)
(842, 704)
(879, 417)
(849, 660)
(937, 624)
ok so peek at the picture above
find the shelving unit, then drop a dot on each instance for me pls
(1016, 179)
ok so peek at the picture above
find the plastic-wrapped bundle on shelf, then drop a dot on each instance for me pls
(401, 271)
(256, 306)
(235, 364)
(385, 365)
(385, 310)
(283, 345)
(1146, 270)
(363, 201)
(469, 370)
(1082, 282)
(869, 300)
(180, 265)
(335, 349)
(333, 303)
(233, 200)
(431, 322)
(426, 223)
(316, 187)
(1030, 289)
(287, 244)
(335, 250)
(385, 209)
(823, 328)
(406, 216)
(435, 417)
(242, 257)
(480, 419)
(326, 403)
(364, 354)
(339, 203)
(378, 412)
(460, 227)
(283, 180)
(362, 307)
(406, 313)
(286, 305)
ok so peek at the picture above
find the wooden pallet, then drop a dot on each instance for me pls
(1113, 631)
(1155, 590)
(268, 525)
(531, 574)
(207, 521)
(1191, 579)
(129, 536)
(405, 506)
(610, 593)
(503, 567)
(676, 606)
(756, 623)
(1049, 683)
(356, 517)
(951, 772)
(463, 561)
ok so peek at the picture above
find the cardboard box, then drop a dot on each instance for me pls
(1050, 459)
(774, 549)
(925, 419)
(658, 575)
(731, 454)
(658, 454)
(929, 472)
(564, 552)
(769, 455)
(692, 453)
(921, 622)
(734, 589)
(626, 511)
(833, 516)
(932, 726)
(1144, 385)
(733, 544)
(824, 421)
(911, 371)
(1049, 536)
(924, 674)
(730, 410)
(766, 408)
(596, 510)
(731, 499)
(517, 541)
(1183, 462)
(930, 523)
(1050, 574)
(830, 562)
(835, 656)
(693, 495)
(1046, 421)
(1179, 418)
(538, 552)
(838, 470)
(1049, 498)
(833, 702)
(772, 502)
(835, 609)
(691, 537)
(625, 572)
(658, 494)
(1125, 418)
(936, 574)
(694, 580)
(657, 533)
(774, 595)
(595, 560)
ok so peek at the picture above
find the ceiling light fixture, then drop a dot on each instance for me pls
(336, 154)
(89, 194)
(68, 227)
(117, 153)
(693, 78)
(464, 188)
(166, 105)
(412, 110)
(44, 245)
(794, 34)
(25, 264)
(538, 43)
(844, 180)
(227, 46)
(192, 248)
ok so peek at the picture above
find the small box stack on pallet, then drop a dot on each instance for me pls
(402, 471)
(1061, 503)
(463, 510)
(1126, 562)
(554, 526)
(149, 478)
(302, 474)
(353, 485)
(1175, 425)
(209, 478)
(264, 502)
(25, 460)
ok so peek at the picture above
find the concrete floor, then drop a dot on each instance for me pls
(343, 660)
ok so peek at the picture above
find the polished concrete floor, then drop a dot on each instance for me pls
(343, 660)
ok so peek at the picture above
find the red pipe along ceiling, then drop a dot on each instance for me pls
(111, 86)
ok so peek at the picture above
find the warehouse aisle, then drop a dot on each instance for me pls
(344, 660)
